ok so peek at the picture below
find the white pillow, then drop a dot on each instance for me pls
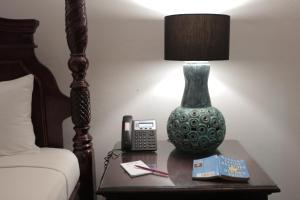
(16, 130)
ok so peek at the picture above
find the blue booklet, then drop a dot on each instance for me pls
(220, 167)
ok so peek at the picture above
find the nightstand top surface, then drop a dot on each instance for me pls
(179, 167)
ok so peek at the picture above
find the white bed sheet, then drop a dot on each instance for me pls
(47, 174)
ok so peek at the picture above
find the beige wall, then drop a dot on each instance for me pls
(257, 90)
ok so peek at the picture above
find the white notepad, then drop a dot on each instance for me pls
(132, 170)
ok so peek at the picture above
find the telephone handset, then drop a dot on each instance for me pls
(126, 132)
(138, 135)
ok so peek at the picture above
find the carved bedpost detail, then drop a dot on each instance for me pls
(76, 30)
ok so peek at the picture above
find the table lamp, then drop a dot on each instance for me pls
(196, 127)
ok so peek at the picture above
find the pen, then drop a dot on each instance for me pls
(152, 170)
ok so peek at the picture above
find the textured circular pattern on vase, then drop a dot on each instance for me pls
(196, 130)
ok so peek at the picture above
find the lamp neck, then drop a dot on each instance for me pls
(196, 94)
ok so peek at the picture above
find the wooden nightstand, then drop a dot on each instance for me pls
(179, 185)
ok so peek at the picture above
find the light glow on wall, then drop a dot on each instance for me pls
(168, 7)
(171, 86)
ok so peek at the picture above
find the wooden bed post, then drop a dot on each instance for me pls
(76, 30)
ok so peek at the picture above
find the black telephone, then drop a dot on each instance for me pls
(138, 135)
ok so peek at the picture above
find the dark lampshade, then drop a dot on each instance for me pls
(197, 37)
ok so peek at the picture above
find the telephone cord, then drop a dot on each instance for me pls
(110, 154)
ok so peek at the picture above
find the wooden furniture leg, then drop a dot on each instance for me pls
(76, 30)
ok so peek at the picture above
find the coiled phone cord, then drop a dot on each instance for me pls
(110, 154)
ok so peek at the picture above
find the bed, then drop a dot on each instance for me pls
(69, 175)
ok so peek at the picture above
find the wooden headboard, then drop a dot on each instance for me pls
(49, 106)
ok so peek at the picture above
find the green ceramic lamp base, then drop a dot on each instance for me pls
(196, 127)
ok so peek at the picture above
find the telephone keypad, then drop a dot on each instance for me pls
(144, 140)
